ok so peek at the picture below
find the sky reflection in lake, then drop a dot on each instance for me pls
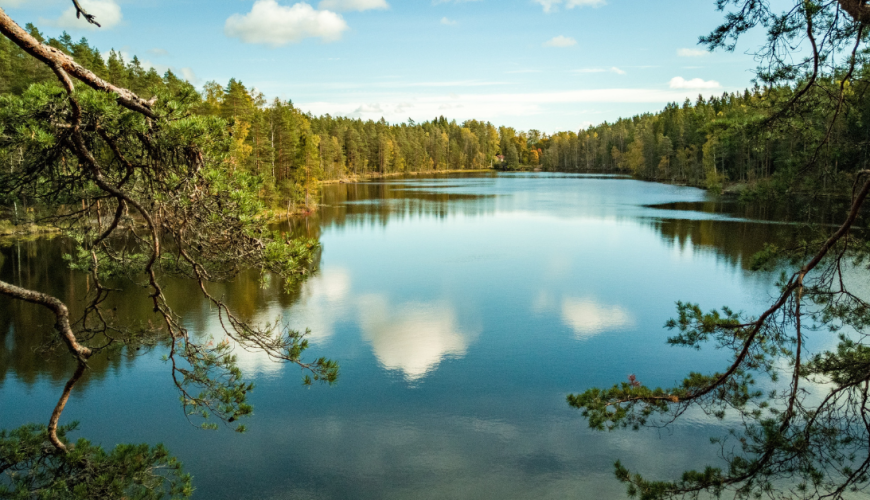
(462, 310)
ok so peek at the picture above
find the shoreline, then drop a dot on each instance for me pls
(30, 230)
(353, 178)
(25, 231)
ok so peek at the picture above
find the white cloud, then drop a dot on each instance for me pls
(107, 13)
(553, 5)
(448, 22)
(692, 53)
(569, 96)
(401, 84)
(358, 5)
(548, 4)
(588, 318)
(159, 68)
(392, 105)
(617, 71)
(584, 3)
(189, 75)
(158, 52)
(403, 106)
(561, 41)
(369, 109)
(11, 3)
(679, 82)
(273, 24)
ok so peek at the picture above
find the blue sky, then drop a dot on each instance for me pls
(544, 64)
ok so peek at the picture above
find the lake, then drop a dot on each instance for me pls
(462, 309)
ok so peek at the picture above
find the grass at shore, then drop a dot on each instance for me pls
(10, 230)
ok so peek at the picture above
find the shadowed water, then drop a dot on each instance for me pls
(462, 309)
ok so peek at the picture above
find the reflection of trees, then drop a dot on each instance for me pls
(734, 241)
(805, 433)
(378, 202)
(796, 210)
(39, 264)
(25, 329)
(737, 241)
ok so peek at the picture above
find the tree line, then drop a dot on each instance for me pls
(196, 167)
(710, 142)
(729, 139)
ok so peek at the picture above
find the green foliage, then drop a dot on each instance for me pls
(144, 199)
(787, 440)
(512, 158)
(32, 469)
(726, 138)
(708, 143)
(806, 434)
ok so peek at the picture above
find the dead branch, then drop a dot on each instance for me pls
(81, 12)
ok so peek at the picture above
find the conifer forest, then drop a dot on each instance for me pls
(710, 142)
(210, 292)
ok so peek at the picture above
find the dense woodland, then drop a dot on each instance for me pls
(192, 168)
(711, 142)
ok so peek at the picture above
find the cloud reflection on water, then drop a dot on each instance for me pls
(322, 302)
(320, 305)
(588, 318)
(412, 338)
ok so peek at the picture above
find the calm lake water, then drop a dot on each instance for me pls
(462, 311)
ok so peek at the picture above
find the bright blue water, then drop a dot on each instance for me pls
(462, 311)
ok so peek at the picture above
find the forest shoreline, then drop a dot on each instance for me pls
(350, 179)
(31, 230)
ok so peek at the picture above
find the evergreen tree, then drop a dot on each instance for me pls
(806, 435)
(99, 160)
(512, 158)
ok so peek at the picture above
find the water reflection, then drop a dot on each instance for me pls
(588, 318)
(376, 203)
(473, 292)
(324, 299)
(412, 337)
(39, 264)
(731, 241)
(821, 210)
(26, 328)
(585, 316)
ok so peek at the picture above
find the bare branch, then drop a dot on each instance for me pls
(81, 12)
(61, 313)
(61, 404)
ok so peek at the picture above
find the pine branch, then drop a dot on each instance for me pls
(54, 58)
